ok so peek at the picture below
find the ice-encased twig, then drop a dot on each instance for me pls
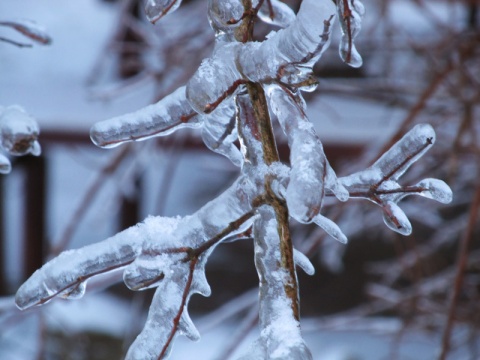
(73, 267)
(378, 183)
(311, 174)
(280, 336)
(301, 44)
(350, 13)
(171, 113)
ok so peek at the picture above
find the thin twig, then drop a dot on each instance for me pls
(16, 43)
(461, 266)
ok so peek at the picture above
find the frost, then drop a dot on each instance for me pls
(436, 189)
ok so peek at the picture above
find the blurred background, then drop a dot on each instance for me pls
(382, 296)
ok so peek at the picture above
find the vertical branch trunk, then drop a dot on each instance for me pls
(279, 304)
(270, 155)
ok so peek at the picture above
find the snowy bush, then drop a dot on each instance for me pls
(234, 95)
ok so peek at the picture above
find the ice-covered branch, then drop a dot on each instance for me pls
(378, 183)
(166, 116)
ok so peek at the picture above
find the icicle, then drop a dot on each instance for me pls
(187, 327)
(30, 29)
(155, 341)
(5, 165)
(171, 113)
(156, 9)
(220, 132)
(303, 262)
(350, 13)
(436, 189)
(200, 284)
(18, 132)
(310, 171)
(395, 218)
(330, 228)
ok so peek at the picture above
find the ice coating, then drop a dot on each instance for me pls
(300, 44)
(293, 50)
(330, 228)
(436, 189)
(350, 13)
(406, 151)
(215, 80)
(166, 116)
(276, 13)
(75, 292)
(75, 266)
(280, 336)
(224, 17)
(303, 262)
(30, 29)
(220, 132)
(381, 179)
(156, 9)
(395, 218)
(310, 171)
(160, 325)
(18, 132)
